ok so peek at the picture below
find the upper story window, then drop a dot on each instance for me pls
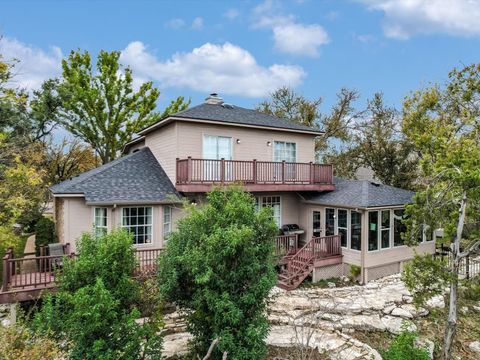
(100, 221)
(217, 147)
(285, 151)
(138, 220)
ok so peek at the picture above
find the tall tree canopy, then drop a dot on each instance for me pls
(101, 106)
(443, 123)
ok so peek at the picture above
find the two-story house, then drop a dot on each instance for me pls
(337, 223)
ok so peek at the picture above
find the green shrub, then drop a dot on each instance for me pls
(355, 271)
(403, 347)
(219, 266)
(44, 233)
(95, 307)
(21, 343)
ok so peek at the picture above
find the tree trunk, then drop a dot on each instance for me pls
(451, 326)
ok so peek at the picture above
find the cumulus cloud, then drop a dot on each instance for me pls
(299, 38)
(175, 24)
(405, 18)
(197, 23)
(35, 65)
(227, 68)
(289, 36)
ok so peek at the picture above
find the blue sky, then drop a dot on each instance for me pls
(245, 49)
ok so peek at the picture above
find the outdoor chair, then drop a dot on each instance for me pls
(56, 250)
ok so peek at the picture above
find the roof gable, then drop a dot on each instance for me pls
(235, 115)
(137, 177)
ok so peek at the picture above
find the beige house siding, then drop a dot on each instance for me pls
(253, 142)
(75, 218)
(164, 145)
(136, 146)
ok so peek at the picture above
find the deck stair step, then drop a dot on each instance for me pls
(300, 265)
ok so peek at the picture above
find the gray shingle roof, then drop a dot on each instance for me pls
(361, 194)
(237, 115)
(137, 177)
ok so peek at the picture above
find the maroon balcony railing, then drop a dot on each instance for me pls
(205, 171)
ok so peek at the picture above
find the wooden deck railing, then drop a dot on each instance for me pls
(39, 271)
(205, 171)
(286, 245)
(317, 248)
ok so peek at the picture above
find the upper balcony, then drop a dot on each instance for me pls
(198, 175)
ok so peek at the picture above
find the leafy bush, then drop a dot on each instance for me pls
(471, 289)
(95, 306)
(44, 233)
(403, 347)
(425, 277)
(219, 266)
(355, 271)
(21, 343)
(8, 240)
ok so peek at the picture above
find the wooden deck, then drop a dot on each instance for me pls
(29, 277)
(199, 175)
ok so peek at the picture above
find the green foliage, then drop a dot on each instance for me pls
(44, 233)
(425, 277)
(18, 342)
(102, 108)
(96, 304)
(218, 266)
(355, 271)
(471, 289)
(403, 347)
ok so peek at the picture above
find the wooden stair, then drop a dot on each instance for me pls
(300, 265)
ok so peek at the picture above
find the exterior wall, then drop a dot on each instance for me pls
(58, 218)
(136, 146)
(77, 218)
(182, 139)
(164, 145)
(253, 142)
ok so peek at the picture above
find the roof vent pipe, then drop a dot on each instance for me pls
(214, 99)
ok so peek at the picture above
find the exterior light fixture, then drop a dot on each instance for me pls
(269, 143)
(238, 141)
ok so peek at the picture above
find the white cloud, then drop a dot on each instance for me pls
(232, 14)
(300, 39)
(227, 69)
(175, 23)
(405, 18)
(197, 23)
(289, 35)
(35, 65)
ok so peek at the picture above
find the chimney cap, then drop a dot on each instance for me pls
(214, 99)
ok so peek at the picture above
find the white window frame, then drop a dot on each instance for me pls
(275, 158)
(103, 228)
(122, 218)
(350, 230)
(346, 228)
(382, 229)
(260, 204)
(167, 209)
(217, 137)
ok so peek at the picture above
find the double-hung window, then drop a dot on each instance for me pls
(138, 220)
(356, 231)
(385, 231)
(167, 221)
(100, 221)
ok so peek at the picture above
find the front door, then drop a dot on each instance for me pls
(216, 148)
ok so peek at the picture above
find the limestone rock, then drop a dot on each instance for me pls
(436, 302)
(402, 313)
(176, 344)
(395, 324)
(388, 309)
(475, 346)
(429, 345)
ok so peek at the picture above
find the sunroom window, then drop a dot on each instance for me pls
(398, 227)
(356, 231)
(343, 226)
(372, 230)
(138, 220)
(385, 233)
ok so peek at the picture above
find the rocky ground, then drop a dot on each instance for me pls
(326, 319)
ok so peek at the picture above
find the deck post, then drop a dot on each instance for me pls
(283, 171)
(311, 173)
(6, 270)
(176, 170)
(189, 169)
(222, 170)
(254, 170)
